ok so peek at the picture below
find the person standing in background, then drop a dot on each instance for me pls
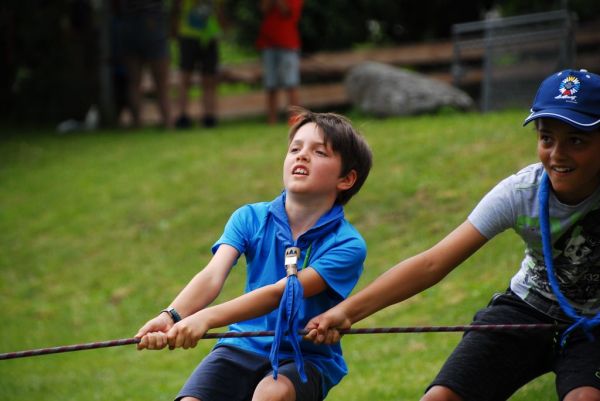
(279, 42)
(196, 25)
(145, 41)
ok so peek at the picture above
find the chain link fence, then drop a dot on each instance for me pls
(511, 56)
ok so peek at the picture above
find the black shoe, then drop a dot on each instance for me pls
(209, 121)
(183, 122)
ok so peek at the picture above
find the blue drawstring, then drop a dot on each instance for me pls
(578, 321)
(287, 314)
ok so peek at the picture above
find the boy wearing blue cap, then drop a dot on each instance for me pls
(554, 206)
(326, 164)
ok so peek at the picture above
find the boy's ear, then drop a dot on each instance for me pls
(346, 182)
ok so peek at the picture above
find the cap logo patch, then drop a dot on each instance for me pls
(568, 88)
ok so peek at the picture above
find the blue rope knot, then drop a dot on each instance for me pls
(586, 323)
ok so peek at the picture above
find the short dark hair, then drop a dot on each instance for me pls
(345, 140)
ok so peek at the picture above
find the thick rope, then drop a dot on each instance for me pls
(271, 333)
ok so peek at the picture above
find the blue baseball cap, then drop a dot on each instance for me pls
(570, 96)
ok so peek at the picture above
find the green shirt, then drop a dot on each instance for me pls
(198, 20)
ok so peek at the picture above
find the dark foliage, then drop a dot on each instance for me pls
(49, 61)
(339, 24)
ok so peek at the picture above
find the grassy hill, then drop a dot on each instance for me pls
(99, 231)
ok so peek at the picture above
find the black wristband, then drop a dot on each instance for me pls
(173, 313)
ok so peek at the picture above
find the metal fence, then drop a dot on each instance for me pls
(511, 56)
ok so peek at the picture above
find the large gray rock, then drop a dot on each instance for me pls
(383, 90)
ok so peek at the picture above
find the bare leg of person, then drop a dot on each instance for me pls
(293, 96)
(183, 120)
(160, 73)
(583, 394)
(184, 92)
(440, 393)
(293, 100)
(134, 90)
(269, 389)
(209, 99)
(272, 106)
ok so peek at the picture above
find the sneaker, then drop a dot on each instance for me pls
(183, 122)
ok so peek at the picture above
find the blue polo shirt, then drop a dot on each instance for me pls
(337, 254)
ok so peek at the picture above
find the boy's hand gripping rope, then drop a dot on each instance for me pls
(271, 333)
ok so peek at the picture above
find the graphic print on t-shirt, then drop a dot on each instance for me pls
(577, 265)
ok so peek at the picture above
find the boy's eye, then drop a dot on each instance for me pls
(576, 140)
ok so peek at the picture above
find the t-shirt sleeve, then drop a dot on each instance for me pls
(235, 232)
(495, 212)
(342, 264)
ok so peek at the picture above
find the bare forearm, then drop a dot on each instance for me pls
(396, 285)
(199, 293)
(250, 305)
(415, 274)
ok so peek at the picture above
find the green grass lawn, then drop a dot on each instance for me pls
(99, 231)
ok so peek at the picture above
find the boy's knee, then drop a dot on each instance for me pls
(440, 393)
(583, 393)
(269, 389)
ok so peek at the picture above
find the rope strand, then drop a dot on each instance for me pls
(270, 333)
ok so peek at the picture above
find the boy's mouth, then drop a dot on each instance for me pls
(300, 171)
(562, 170)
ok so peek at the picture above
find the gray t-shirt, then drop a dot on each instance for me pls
(513, 203)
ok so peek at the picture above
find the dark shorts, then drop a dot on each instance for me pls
(232, 374)
(490, 366)
(193, 54)
(145, 36)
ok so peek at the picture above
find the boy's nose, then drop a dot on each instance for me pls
(558, 151)
(302, 155)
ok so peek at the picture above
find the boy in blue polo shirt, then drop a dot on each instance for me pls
(554, 206)
(327, 162)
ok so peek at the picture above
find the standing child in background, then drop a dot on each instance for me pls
(279, 41)
(554, 206)
(145, 36)
(196, 25)
(326, 164)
